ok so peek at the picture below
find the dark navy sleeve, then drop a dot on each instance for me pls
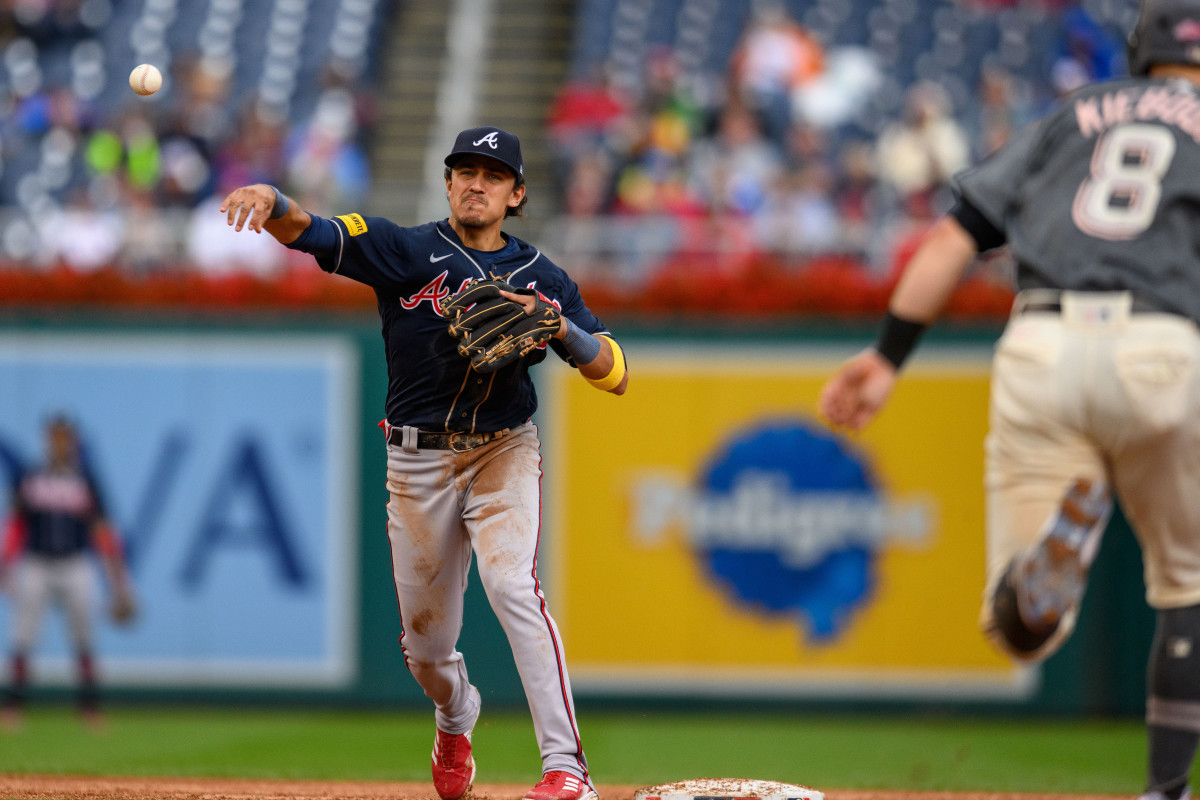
(574, 309)
(370, 250)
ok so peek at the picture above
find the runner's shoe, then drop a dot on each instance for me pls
(1050, 578)
(1186, 795)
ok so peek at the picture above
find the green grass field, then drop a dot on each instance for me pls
(891, 752)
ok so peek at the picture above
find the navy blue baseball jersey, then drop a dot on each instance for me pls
(431, 386)
(59, 509)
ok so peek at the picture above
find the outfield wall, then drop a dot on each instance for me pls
(706, 539)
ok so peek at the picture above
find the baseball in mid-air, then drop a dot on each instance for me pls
(145, 79)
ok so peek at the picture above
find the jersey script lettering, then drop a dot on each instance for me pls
(433, 293)
(1094, 115)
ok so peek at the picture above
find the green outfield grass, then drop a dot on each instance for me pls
(639, 749)
(623, 748)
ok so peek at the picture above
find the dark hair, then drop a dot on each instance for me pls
(519, 211)
(59, 421)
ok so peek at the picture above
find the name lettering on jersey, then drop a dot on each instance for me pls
(433, 292)
(355, 224)
(59, 494)
(1094, 115)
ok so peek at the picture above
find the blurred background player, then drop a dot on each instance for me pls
(1096, 380)
(56, 523)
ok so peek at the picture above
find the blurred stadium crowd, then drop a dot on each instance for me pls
(256, 90)
(706, 129)
(808, 131)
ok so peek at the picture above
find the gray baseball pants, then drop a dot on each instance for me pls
(443, 507)
(69, 581)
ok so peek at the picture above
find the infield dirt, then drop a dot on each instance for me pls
(57, 787)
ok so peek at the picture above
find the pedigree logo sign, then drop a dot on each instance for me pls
(786, 519)
(721, 539)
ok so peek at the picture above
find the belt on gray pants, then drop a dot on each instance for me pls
(458, 441)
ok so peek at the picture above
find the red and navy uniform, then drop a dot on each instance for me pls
(430, 386)
(57, 510)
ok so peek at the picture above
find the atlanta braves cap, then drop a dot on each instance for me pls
(490, 142)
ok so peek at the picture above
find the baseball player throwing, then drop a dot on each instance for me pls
(463, 457)
(57, 521)
(1096, 379)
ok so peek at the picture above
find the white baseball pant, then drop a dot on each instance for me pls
(69, 581)
(1097, 391)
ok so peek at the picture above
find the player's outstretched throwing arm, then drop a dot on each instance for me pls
(262, 207)
(497, 322)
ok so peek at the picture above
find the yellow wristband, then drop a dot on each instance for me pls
(616, 374)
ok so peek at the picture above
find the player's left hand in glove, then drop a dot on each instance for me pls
(122, 608)
(496, 330)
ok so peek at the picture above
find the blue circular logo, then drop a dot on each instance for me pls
(789, 520)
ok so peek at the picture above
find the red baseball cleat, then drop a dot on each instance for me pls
(453, 764)
(558, 785)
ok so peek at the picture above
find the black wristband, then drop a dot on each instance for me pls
(897, 338)
(281, 205)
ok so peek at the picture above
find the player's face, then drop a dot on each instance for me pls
(481, 190)
(60, 444)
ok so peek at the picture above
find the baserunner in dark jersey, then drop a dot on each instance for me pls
(464, 464)
(1096, 379)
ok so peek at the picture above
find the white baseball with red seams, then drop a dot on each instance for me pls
(728, 789)
(145, 79)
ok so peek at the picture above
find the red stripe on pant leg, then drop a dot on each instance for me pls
(558, 659)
